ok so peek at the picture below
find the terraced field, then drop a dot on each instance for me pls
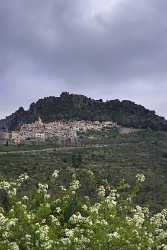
(123, 157)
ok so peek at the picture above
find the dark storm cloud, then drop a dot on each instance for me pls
(102, 48)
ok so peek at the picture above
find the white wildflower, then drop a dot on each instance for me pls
(42, 188)
(115, 235)
(55, 174)
(58, 210)
(14, 246)
(101, 191)
(140, 177)
(69, 233)
(25, 198)
(74, 186)
(84, 207)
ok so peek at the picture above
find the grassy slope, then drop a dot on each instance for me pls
(126, 155)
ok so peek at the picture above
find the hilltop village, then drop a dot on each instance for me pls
(60, 131)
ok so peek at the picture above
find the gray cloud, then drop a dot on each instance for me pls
(102, 48)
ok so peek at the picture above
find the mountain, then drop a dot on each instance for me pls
(79, 107)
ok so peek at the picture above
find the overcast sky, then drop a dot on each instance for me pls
(101, 48)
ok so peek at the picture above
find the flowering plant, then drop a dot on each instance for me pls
(42, 221)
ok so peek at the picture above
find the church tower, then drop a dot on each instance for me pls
(39, 123)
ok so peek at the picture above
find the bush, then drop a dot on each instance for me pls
(66, 220)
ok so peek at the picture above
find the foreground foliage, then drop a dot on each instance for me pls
(44, 220)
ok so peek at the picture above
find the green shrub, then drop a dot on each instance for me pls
(65, 220)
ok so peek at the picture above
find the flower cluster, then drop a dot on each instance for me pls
(69, 221)
(140, 177)
(55, 173)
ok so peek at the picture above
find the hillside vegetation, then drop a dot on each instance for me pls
(122, 157)
(79, 107)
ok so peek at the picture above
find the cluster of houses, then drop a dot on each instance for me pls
(57, 130)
